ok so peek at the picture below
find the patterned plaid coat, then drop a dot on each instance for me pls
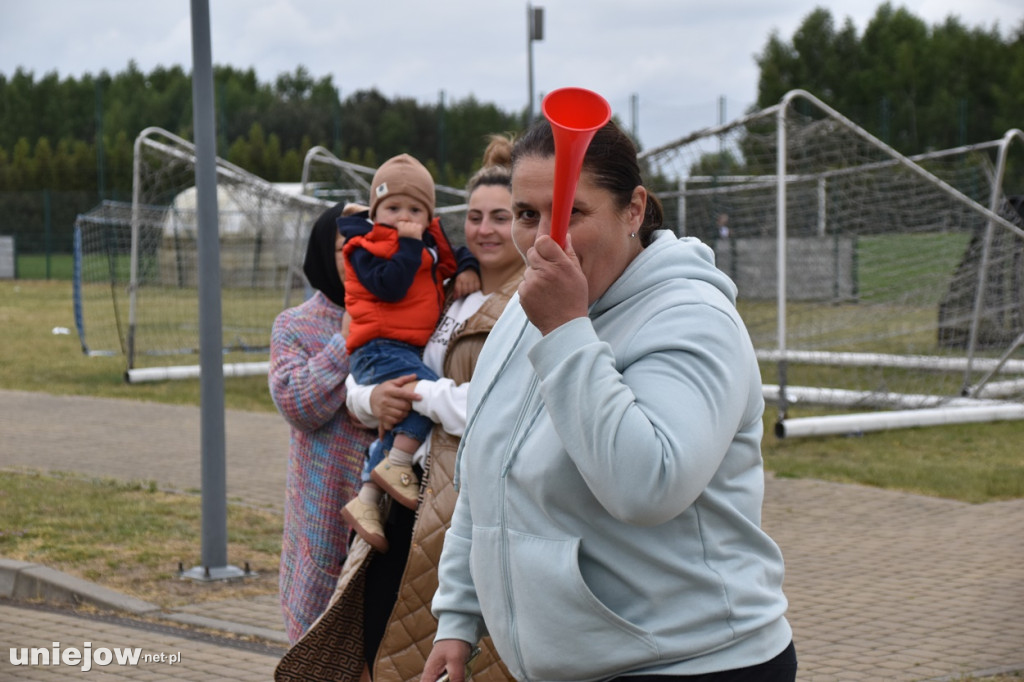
(308, 367)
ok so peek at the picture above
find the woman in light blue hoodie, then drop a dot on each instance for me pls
(608, 523)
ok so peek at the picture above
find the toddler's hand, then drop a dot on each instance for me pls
(466, 282)
(408, 228)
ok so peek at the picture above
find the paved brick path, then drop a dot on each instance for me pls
(165, 653)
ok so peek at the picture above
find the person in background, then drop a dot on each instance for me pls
(308, 368)
(723, 225)
(397, 260)
(610, 481)
(379, 619)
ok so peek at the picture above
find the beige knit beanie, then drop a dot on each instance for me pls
(403, 175)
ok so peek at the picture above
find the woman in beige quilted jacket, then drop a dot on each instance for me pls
(379, 624)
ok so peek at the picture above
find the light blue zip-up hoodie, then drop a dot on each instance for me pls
(611, 482)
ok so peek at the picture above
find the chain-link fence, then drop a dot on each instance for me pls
(42, 225)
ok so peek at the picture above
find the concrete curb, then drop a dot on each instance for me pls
(227, 626)
(23, 580)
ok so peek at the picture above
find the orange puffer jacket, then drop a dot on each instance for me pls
(394, 287)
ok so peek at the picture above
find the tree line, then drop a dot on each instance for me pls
(914, 86)
(78, 133)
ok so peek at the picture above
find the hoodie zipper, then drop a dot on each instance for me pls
(507, 459)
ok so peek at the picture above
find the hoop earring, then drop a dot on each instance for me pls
(515, 242)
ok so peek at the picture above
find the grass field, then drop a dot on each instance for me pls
(36, 358)
(886, 263)
(126, 535)
(41, 266)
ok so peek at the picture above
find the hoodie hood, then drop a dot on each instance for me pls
(670, 258)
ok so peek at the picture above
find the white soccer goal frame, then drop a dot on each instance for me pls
(173, 146)
(977, 397)
(349, 182)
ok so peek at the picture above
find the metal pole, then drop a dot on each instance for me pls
(48, 229)
(986, 251)
(721, 136)
(681, 209)
(634, 115)
(534, 31)
(337, 124)
(100, 179)
(442, 158)
(133, 264)
(529, 63)
(780, 202)
(211, 380)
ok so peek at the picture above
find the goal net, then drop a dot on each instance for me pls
(136, 284)
(869, 281)
(136, 281)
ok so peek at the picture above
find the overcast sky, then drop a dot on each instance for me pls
(678, 58)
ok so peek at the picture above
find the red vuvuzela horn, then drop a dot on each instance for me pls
(575, 115)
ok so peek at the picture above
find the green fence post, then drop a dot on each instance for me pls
(48, 229)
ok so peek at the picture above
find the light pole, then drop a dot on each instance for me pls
(214, 547)
(534, 31)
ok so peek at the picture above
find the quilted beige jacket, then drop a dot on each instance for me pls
(332, 649)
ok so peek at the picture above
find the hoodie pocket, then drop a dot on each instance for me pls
(564, 632)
